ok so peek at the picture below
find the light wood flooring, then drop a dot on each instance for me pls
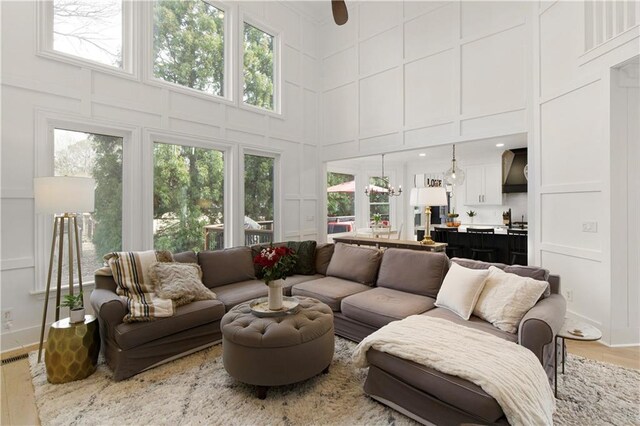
(19, 408)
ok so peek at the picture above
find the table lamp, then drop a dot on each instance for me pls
(430, 196)
(65, 197)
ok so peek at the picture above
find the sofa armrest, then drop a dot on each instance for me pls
(540, 325)
(108, 306)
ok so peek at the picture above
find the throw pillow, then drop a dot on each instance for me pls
(506, 298)
(324, 252)
(460, 289)
(180, 282)
(306, 252)
(131, 274)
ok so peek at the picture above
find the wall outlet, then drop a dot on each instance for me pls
(569, 294)
(589, 226)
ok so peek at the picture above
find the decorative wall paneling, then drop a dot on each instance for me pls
(407, 74)
(94, 94)
(573, 167)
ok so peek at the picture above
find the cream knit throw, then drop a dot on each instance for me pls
(508, 372)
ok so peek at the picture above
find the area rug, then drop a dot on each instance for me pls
(197, 390)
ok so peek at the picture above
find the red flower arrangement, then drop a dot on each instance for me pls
(276, 262)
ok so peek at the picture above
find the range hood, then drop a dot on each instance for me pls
(514, 178)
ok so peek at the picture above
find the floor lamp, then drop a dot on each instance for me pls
(430, 196)
(54, 195)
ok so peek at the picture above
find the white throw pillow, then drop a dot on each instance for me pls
(506, 298)
(460, 289)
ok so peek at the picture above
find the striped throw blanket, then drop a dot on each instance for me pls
(505, 370)
(131, 274)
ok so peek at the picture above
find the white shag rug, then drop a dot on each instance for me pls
(197, 390)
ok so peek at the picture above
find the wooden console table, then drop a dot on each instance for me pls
(384, 242)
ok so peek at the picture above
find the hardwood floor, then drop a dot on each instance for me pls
(19, 408)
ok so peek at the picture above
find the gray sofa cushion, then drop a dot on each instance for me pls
(476, 264)
(131, 335)
(233, 294)
(226, 266)
(354, 263)
(185, 257)
(452, 390)
(297, 279)
(379, 306)
(323, 257)
(329, 290)
(535, 272)
(417, 272)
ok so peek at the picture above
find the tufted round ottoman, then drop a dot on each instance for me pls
(278, 350)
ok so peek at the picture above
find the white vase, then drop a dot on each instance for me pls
(275, 295)
(76, 315)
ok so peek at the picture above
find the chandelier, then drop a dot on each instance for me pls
(387, 188)
(455, 175)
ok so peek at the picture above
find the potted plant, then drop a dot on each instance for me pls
(376, 218)
(75, 304)
(471, 215)
(276, 263)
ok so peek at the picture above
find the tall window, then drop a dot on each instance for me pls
(188, 45)
(259, 183)
(100, 157)
(89, 29)
(258, 70)
(188, 198)
(379, 200)
(341, 210)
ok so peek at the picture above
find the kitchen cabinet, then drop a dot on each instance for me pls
(484, 185)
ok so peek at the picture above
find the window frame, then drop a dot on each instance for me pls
(46, 123)
(369, 203)
(152, 137)
(277, 35)
(44, 41)
(277, 191)
(148, 55)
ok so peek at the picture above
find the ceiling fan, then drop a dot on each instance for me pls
(340, 13)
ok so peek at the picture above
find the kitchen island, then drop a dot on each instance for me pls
(498, 241)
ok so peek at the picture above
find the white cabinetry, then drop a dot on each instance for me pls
(484, 185)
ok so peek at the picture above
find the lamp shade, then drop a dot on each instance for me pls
(430, 196)
(64, 194)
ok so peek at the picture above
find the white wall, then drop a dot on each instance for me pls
(410, 74)
(34, 87)
(402, 75)
(573, 166)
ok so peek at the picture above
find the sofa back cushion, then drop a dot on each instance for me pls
(417, 272)
(354, 263)
(185, 257)
(324, 252)
(476, 264)
(226, 266)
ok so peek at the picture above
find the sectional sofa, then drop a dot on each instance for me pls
(366, 289)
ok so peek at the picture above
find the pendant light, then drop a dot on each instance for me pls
(372, 189)
(455, 175)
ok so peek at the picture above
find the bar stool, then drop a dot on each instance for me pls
(517, 245)
(477, 243)
(442, 236)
